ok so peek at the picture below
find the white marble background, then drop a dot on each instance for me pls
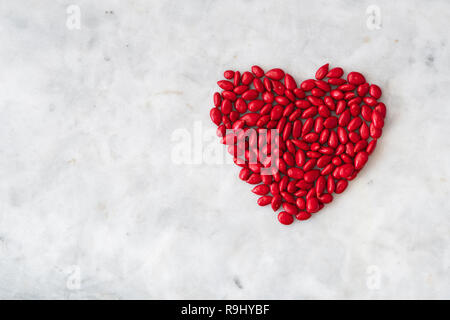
(92, 204)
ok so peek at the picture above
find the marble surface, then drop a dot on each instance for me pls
(96, 204)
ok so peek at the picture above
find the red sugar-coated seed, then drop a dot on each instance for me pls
(323, 161)
(250, 94)
(315, 100)
(266, 179)
(300, 202)
(344, 118)
(370, 101)
(287, 196)
(325, 198)
(322, 72)
(285, 218)
(336, 161)
(247, 78)
(330, 122)
(311, 137)
(267, 84)
(240, 105)
(217, 99)
(274, 188)
(261, 190)
(323, 111)
(303, 215)
(254, 178)
(349, 96)
(309, 165)
(276, 202)
(290, 82)
(354, 137)
(263, 120)
(229, 74)
(221, 131)
(354, 124)
(302, 184)
(320, 185)
(278, 88)
(329, 102)
(355, 78)
(290, 208)
(374, 131)
(275, 74)
(244, 174)
(346, 158)
(299, 93)
(225, 85)
(265, 200)
(237, 78)
(310, 112)
(336, 81)
(340, 106)
(250, 118)
(255, 105)
(229, 95)
(295, 173)
(307, 85)
(355, 109)
(290, 95)
(371, 146)
(312, 205)
(346, 170)
(333, 140)
(362, 89)
(377, 120)
(375, 91)
(341, 185)
(226, 106)
(335, 73)
(282, 100)
(322, 85)
(346, 87)
(259, 86)
(311, 194)
(266, 110)
(280, 126)
(360, 145)
(257, 71)
(337, 94)
(311, 175)
(381, 108)
(327, 169)
(288, 110)
(291, 188)
(216, 116)
(317, 92)
(361, 159)
(331, 185)
(366, 113)
(315, 146)
(342, 135)
(234, 115)
(283, 183)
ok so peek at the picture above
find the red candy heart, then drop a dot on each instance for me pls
(298, 144)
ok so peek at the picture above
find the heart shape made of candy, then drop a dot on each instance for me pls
(298, 144)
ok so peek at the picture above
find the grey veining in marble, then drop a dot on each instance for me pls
(94, 205)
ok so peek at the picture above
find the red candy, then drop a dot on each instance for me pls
(327, 129)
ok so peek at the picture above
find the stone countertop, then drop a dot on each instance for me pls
(98, 100)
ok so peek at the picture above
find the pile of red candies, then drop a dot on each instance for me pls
(328, 127)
